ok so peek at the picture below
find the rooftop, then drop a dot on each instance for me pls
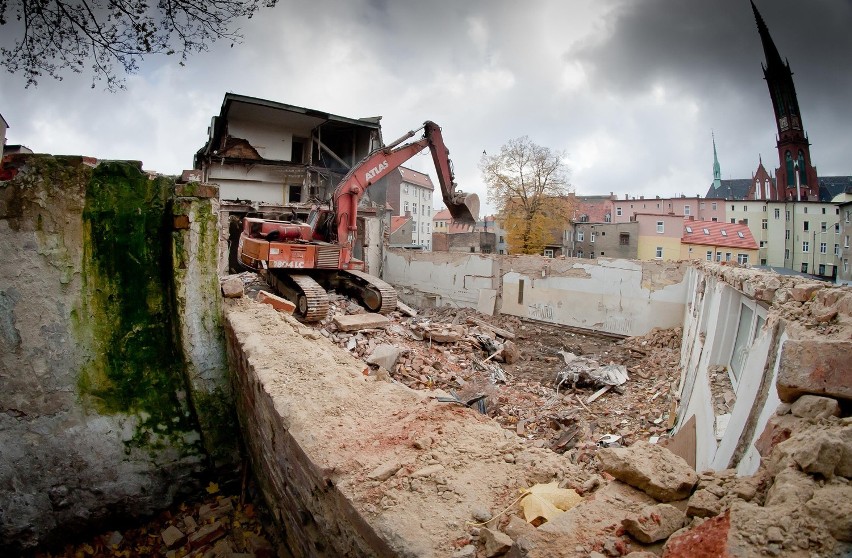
(713, 233)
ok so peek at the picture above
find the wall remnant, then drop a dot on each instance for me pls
(615, 296)
(97, 417)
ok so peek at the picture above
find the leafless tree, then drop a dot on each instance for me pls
(53, 37)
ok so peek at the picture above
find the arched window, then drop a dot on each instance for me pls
(766, 183)
(757, 194)
(803, 175)
(791, 177)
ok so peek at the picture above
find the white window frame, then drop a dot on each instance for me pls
(709, 255)
(580, 236)
(659, 253)
(618, 211)
(686, 210)
(548, 252)
(592, 236)
(661, 227)
(742, 259)
(823, 248)
(806, 246)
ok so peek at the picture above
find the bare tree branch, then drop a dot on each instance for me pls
(53, 37)
(529, 185)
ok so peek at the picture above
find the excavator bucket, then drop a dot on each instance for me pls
(464, 208)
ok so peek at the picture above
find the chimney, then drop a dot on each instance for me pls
(641, 197)
(626, 196)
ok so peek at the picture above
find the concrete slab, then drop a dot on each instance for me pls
(356, 322)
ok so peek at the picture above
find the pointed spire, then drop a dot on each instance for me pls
(717, 169)
(773, 58)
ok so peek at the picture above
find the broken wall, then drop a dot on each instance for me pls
(108, 346)
(742, 330)
(615, 296)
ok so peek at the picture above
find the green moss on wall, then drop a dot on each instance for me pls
(136, 366)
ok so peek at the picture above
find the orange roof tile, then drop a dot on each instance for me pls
(417, 178)
(714, 233)
(397, 222)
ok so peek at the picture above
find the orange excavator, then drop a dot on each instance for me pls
(302, 260)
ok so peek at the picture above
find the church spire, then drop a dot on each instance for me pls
(717, 169)
(793, 147)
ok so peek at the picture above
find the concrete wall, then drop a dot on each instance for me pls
(97, 417)
(619, 296)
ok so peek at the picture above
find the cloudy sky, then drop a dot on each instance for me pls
(630, 90)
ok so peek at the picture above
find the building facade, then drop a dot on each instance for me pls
(602, 240)
(410, 193)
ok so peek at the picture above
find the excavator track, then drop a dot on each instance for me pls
(378, 296)
(310, 298)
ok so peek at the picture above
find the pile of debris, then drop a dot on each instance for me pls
(568, 390)
(216, 526)
(648, 502)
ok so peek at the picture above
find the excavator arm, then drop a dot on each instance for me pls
(463, 207)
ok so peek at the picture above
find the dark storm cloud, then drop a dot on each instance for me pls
(712, 50)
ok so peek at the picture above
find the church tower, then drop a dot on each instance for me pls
(796, 177)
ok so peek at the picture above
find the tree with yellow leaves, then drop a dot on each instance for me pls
(528, 183)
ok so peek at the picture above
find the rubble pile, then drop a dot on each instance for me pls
(557, 388)
(649, 502)
(216, 526)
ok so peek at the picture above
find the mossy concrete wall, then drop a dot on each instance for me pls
(110, 346)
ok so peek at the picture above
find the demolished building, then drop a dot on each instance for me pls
(356, 461)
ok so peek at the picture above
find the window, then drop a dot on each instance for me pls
(405, 188)
(702, 205)
(848, 214)
(742, 341)
(428, 210)
(714, 219)
(804, 268)
(806, 226)
(740, 234)
(764, 209)
(428, 227)
(745, 221)
(294, 194)
(406, 207)
(713, 206)
(845, 266)
(718, 256)
(837, 249)
(724, 232)
(823, 211)
(548, 252)
(732, 208)
(837, 228)
(706, 231)
(689, 230)
(580, 236)
(608, 218)
(624, 239)
(786, 253)
(591, 255)
(579, 253)
(709, 255)
(414, 209)
(733, 221)
(806, 246)
(659, 254)
(660, 226)
(823, 227)
(806, 209)
(787, 215)
(727, 256)
(823, 248)
(745, 208)
(502, 240)
(763, 261)
(592, 237)
(742, 259)
(764, 224)
(777, 213)
(821, 269)
(618, 211)
(787, 234)
(846, 241)
(686, 210)
(762, 243)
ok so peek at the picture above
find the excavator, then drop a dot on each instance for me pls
(303, 259)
